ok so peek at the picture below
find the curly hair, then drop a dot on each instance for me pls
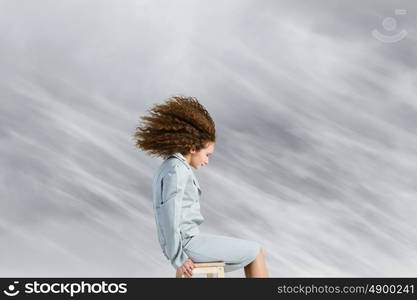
(178, 125)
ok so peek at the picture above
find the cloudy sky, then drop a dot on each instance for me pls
(316, 116)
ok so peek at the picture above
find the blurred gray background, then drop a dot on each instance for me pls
(316, 116)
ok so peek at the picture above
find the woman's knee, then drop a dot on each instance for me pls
(261, 251)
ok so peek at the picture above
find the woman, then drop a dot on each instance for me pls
(183, 133)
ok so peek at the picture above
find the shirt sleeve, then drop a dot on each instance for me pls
(173, 186)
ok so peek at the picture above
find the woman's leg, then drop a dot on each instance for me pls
(236, 253)
(257, 268)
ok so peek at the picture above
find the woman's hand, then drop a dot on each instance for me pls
(187, 268)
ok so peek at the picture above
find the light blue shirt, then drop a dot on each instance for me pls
(176, 203)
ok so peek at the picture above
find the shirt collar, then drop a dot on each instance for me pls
(181, 157)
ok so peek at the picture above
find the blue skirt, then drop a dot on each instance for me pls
(236, 253)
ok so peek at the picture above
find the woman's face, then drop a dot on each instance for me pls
(197, 159)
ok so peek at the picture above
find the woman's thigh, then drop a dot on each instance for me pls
(235, 252)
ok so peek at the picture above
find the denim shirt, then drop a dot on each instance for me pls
(176, 204)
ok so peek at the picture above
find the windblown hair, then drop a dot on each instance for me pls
(178, 125)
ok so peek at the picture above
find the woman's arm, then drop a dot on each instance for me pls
(169, 210)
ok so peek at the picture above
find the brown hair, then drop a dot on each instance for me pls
(178, 125)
